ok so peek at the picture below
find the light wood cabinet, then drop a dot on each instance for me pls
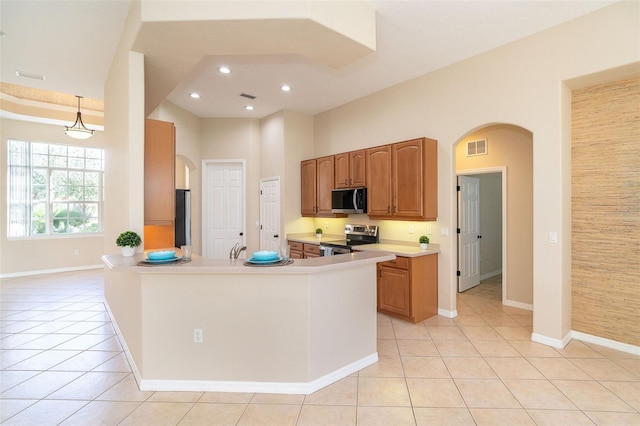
(317, 177)
(308, 185)
(408, 287)
(350, 169)
(311, 250)
(402, 180)
(296, 250)
(159, 172)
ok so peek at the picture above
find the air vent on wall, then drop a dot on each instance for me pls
(244, 95)
(479, 147)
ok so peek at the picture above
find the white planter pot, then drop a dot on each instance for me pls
(423, 246)
(318, 236)
(128, 251)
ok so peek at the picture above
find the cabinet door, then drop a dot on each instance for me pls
(308, 187)
(407, 179)
(358, 169)
(379, 181)
(393, 290)
(341, 179)
(159, 172)
(324, 186)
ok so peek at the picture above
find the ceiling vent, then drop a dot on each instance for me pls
(244, 95)
(479, 147)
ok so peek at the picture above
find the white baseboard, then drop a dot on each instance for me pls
(448, 314)
(490, 274)
(607, 343)
(519, 305)
(50, 271)
(549, 341)
(127, 353)
(304, 388)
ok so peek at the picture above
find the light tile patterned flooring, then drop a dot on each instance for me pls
(61, 363)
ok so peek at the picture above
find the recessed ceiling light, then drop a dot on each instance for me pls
(225, 70)
(248, 107)
(27, 75)
(285, 88)
(194, 95)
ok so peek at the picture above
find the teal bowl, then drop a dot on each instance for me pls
(264, 255)
(161, 255)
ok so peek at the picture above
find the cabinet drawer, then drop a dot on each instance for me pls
(295, 246)
(399, 263)
(312, 249)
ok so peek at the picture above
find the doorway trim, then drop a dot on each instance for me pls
(505, 273)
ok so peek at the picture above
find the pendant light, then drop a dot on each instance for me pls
(78, 130)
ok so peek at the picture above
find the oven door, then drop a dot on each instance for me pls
(326, 250)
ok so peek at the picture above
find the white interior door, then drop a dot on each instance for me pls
(270, 235)
(469, 235)
(223, 213)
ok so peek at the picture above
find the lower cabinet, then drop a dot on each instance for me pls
(408, 287)
(299, 250)
(295, 250)
(311, 250)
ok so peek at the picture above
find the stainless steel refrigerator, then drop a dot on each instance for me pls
(183, 217)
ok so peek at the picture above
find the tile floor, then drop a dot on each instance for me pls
(62, 364)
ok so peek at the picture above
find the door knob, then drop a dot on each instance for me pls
(241, 234)
(276, 236)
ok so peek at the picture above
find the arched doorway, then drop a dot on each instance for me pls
(503, 153)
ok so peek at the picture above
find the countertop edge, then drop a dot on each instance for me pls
(200, 265)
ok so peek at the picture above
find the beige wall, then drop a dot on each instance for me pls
(124, 138)
(237, 139)
(510, 147)
(28, 255)
(520, 84)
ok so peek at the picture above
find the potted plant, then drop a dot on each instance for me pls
(423, 240)
(128, 240)
(318, 233)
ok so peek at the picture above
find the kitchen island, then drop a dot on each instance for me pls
(218, 325)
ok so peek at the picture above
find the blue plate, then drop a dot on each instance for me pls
(259, 261)
(161, 255)
(265, 255)
(160, 261)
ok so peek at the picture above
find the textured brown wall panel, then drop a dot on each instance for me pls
(605, 202)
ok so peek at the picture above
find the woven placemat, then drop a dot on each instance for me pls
(172, 263)
(281, 263)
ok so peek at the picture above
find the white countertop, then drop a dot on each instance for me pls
(399, 248)
(199, 265)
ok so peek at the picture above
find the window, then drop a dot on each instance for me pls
(53, 189)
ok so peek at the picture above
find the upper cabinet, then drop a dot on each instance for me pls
(317, 183)
(402, 180)
(350, 169)
(159, 172)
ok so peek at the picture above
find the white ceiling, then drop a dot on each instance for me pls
(72, 43)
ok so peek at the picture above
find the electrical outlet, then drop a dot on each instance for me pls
(428, 231)
(411, 229)
(197, 335)
(76, 252)
(326, 225)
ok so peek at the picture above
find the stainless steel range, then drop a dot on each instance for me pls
(354, 235)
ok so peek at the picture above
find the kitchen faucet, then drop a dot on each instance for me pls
(236, 250)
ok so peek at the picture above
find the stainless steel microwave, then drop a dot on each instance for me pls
(353, 200)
